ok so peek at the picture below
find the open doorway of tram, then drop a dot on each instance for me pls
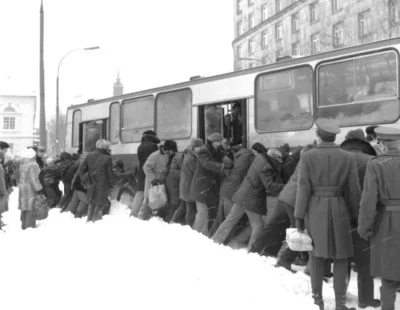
(227, 118)
(90, 133)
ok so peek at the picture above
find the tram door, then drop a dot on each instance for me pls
(215, 118)
(92, 132)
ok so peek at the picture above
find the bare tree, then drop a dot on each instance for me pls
(51, 134)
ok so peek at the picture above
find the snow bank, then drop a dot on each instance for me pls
(125, 263)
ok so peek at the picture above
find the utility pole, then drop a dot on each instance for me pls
(43, 132)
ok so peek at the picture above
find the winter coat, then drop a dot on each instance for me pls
(206, 179)
(154, 168)
(3, 192)
(328, 196)
(69, 170)
(147, 147)
(187, 173)
(51, 174)
(362, 161)
(173, 179)
(29, 183)
(288, 193)
(98, 161)
(381, 184)
(259, 180)
(242, 162)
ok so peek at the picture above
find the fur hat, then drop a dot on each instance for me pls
(150, 133)
(65, 156)
(195, 142)
(275, 154)
(28, 154)
(4, 145)
(170, 145)
(103, 144)
(215, 137)
(355, 139)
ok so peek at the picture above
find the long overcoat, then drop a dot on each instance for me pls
(206, 179)
(259, 180)
(382, 182)
(187, 173)
(29, 183)
(154, 168)
(328, 196)
(3, 192)
(173, 179)
(98, 161)
(242, 162)
(147, 147)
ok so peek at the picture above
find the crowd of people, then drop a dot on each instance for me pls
(344, 197)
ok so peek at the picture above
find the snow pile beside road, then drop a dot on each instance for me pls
(124, 263)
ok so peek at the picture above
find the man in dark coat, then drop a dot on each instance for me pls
(148, 146)
(71, 166)
(328, 196)
(379, 217)
(51, 180)
(243, 158)
(98, 166)
(363, 151)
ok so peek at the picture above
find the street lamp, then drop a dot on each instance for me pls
(58, 82)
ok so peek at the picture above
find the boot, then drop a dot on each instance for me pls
(318, 300)
(341, 303)
(376, 303)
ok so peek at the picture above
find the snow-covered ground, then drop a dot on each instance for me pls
(125, 263)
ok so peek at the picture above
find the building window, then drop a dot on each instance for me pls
(264, 38)
(394, 12)
(363, 24)
(252, 46)
(239, 28)
(337, 5)
(278, 6)
(338, 35)
(314, 12)
(239, 52)
(250, 2)
(238, 6)
(279, 31)
(279, 54)
(296, 49)
(251, 21)
(295, 23)
(315, 43)
(9, 123)
(264, 12)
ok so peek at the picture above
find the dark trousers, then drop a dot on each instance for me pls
(95, 213)
(190, 212)
(27, 220)
(180, 213)
(166, 213)
(365, 281)
(66, 198)
(53, 194)
(388, 293)
(340, 280)
(272, 235)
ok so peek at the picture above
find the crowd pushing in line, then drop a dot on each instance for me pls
(345, 196)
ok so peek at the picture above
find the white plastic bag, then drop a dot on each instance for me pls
(298, 241)
(157, 197)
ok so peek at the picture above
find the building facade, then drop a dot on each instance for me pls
(17, 120)
(266, 30)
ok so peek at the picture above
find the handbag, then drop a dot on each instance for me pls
(40, 209)
(298, 241)
(157, 197)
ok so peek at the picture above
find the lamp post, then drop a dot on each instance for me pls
(57, 102)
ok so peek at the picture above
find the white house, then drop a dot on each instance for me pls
(17, 120)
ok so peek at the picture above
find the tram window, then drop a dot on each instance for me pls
(114, 123)
(174, 114)
(76, 119)
(284, 100)
(137, 117)
(359, 91)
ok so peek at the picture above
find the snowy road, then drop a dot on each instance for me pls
(125, 263)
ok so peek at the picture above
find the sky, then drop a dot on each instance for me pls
(152, 43)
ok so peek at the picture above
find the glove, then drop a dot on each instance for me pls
(300, 225)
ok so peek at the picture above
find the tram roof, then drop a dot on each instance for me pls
(379, 45)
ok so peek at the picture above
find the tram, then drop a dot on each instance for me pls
(356, 86)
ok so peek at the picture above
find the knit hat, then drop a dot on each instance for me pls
(195, 142)
(103, 144)
(170, 145)
(215, 137)
(275, 154)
